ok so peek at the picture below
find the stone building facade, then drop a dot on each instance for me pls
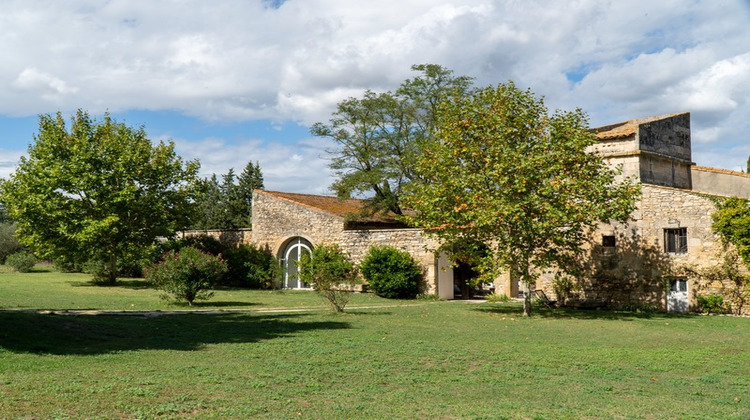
(291, 224)
(656, 258)
(651, 260)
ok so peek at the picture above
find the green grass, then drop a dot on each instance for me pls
(45, 288)
(428, 360)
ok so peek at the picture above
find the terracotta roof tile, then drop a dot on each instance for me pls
(326, 204)
(720, 171)
(627, 128)
(349, 209)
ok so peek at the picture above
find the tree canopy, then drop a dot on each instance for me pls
(379, 135)
(97, 191)
(504, 180)
(731, 221)
(227, 204)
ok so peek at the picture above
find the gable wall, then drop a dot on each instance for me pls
(275, 220)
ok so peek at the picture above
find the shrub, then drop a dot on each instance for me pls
(711, 304)
(186, 275)
(391, 273)
(8, 242)
(22, 261)
(643, 308)
(250, 266)
(331, 274)
(497, 298)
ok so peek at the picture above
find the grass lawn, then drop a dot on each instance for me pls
(45, 288)
(427, 360)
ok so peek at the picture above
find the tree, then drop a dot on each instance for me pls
(98, 191)
(500, 171)
(4, 218)
(228, 205)
(331, 273)
(9, 244)
(249, 180)
(380, 135)
(731, 221)
(209, 212)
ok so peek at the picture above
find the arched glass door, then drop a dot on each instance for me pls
(293, 252)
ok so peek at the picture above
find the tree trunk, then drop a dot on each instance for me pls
(526, 297)
(112, 269)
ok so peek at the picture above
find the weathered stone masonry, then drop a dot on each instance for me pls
(279, 217)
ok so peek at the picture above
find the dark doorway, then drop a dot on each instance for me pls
(463, 276)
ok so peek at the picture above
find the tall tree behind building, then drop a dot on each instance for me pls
(380, 135)
(228, 204)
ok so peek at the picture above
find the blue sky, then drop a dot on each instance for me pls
(238, 81)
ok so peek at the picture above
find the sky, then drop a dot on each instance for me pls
(238, 81)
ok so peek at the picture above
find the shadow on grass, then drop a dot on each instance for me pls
(217, 304)
(603, 314)
(25, 332)
(136, 284)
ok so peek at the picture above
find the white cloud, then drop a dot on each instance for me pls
(300, 167)
(50, 88)
(229, 61)
(8, 161)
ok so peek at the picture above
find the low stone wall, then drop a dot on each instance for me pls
(230, 237)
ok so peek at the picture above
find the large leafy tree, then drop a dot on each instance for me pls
(97, 191)
(379, 135)
(502, 173)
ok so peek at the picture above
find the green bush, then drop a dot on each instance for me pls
(8, 242)
(331, 274)
(711, 304)
(186, 275)
(391, 273)
(644, 308)
(497, 298)
(23, 261)
(250, 266)
(205, 243)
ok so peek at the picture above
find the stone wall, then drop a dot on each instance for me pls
(721, 182)
(663, 170)
(413, 241)
(668, 136)
(276, 220)
(635, 270)
(231, 237)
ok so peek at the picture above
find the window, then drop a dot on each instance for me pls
(675, 241)
(678, 284)
(608, 241)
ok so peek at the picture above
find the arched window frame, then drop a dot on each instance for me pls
(301, 245)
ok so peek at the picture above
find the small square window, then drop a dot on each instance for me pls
(675, 241)
(608, 241)
(678, 284)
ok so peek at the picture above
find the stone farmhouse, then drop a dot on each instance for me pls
(640, 262)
